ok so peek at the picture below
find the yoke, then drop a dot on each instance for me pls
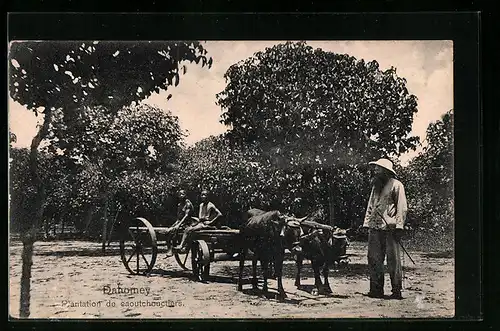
(316, 225)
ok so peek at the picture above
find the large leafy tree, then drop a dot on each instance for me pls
(343, 108)
(320, 113)
(429, 181)
(108, 153)
(45, 76)
(137, 136)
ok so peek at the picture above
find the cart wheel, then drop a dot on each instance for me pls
(181, 258)
(200, 260)
(138, 247)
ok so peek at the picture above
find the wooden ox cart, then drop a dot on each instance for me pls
(140, 243)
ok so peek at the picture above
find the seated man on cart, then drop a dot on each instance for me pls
(207, 217)
(185, 210)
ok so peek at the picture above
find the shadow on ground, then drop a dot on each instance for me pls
(228, 274)
(439, 255)
(187, 274)
(82, 252)
(271, 294)
(85, 252)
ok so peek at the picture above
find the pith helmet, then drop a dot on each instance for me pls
(384, 163)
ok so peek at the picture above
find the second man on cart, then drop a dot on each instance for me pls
(207, 217)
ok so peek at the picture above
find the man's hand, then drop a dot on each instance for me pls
(391, 226)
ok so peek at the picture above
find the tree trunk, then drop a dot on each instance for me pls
(27, 256)
(110, 236)
(105, 224)
(46, 226)
(328, 182)
(30, 236)
(88, 217)
(331, 208)
(53, 226)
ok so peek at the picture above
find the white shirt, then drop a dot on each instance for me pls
(389, 204)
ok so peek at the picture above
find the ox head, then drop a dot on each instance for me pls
(292, 230)
(284, 222)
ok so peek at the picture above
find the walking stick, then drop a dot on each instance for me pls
(398, 241)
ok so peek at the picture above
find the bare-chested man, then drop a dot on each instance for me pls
(185, 211)
(207, 216)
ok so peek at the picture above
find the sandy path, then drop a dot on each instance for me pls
(68, 281)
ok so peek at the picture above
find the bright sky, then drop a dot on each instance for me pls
(426, 65)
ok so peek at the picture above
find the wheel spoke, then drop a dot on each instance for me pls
(132, 255)
(137, 260)
(145, 260)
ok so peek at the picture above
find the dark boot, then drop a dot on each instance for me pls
(376, 294)
(396, 295)
(376, 289)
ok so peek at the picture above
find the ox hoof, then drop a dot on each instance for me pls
(281, 297)
(326, 291)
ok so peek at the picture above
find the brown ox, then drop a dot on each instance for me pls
(323, 245)
(264, 234)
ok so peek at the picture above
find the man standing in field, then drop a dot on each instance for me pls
(385, 218)
(207, 216)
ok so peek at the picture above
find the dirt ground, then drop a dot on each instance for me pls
(70, 279)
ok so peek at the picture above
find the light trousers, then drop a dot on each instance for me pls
(381, 243)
